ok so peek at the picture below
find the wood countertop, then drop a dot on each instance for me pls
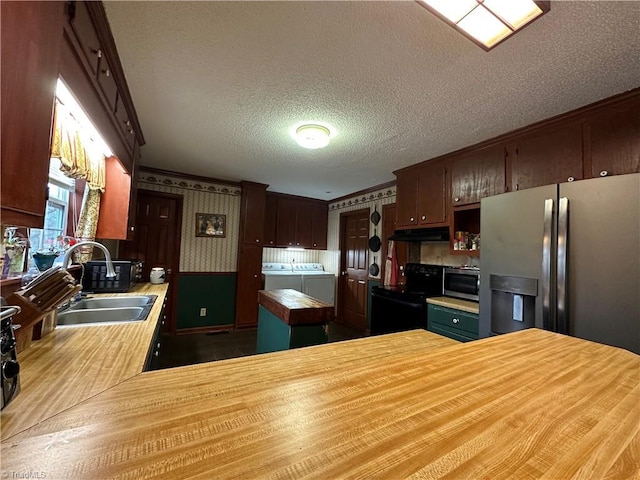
(294, 307)
(458, 304)
(530, 404)
(74, 363)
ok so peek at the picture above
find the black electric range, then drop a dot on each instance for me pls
(396, 308)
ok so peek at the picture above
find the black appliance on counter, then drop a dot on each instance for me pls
(403, 307)
(128, 272)
(9, 366)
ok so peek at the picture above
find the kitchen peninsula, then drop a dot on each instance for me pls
(530, 404)
(74, 363)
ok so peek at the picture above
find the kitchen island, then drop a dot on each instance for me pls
(74, 363)
(289, 319)
(530, 404)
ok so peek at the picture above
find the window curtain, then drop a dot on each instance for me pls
(80, 158)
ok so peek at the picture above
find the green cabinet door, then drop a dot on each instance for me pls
(452, 323)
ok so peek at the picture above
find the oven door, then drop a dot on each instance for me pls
(393, 312)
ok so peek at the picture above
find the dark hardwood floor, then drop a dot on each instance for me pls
(180, 350)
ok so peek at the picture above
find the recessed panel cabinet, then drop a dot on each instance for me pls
(248, 283)
(31, 39)
(552, 155)
(420, 195)
(477, 175)
(614, 141)
(296, 222)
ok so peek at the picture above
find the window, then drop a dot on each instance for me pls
(56, 212)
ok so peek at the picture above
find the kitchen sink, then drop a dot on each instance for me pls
(102, 315)
(108, 310)
(114, 302)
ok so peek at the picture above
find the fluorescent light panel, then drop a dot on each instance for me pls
(487, 22)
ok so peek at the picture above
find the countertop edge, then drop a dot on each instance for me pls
(456, 303)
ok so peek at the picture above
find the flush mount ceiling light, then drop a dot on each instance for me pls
(487, 22)
(312, 136)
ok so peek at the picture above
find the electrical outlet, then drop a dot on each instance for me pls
(203, 312)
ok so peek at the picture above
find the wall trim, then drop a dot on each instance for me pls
(200, 186)
(375, 188)
(211, 329)
(364, 198)
(187, 176)
(207, 273)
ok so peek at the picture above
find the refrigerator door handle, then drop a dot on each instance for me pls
(563, 233)
(548, 316)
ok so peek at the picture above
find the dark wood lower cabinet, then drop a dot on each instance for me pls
(249, 282)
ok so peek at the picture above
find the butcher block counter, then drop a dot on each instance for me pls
(530, 404)
(74, 363)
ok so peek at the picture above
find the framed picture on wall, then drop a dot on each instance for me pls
(211, 225)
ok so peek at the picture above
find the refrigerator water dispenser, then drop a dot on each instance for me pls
(513, 303)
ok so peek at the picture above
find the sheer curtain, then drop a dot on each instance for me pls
(80, 157)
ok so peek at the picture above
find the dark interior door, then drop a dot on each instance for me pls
(354, 236)
(157, 240)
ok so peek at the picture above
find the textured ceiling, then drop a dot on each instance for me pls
(218, 85)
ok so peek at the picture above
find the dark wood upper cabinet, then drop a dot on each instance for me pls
(252, 213)
(304, 223)
(31, 39)
(420, 195)
(553, 155)
(270, 219)
(319, 225)
(432, 181)
(614, 141)
(286, 222)
(407, 198)
(477, 175)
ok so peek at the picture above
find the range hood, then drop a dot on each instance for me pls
(438, 234)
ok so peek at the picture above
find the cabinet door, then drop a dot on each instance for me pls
(551, 156)
(319, 225)
(286, 222)
(432, 193)
(452, 323)
(113, 221)
(303, 224)
(615, 142)
(477, 175)
(82, 26)
(31, 39)
(252, 213)
(270, 218)
(249, 282)
(407, 199)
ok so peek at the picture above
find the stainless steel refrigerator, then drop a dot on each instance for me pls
(564, 258)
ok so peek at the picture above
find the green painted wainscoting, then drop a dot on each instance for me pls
(214, 291)
(370, 285)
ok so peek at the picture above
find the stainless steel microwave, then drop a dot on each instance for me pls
(461, 282)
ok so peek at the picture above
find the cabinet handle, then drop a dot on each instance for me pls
(132, 228)
(411, 219)
(162, 322)
(315, 244)
(604, 173)
(570, 179)
(455, 320)
(107, 73)
(517, 187)
(424, 217)
(255, 276)
(98, 52)
(156, 353)
(457, 199)
(257, 240)
(289, 243)
(158, 345)
(298, 243)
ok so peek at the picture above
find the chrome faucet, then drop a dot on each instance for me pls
(107, 256)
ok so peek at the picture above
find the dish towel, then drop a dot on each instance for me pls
(391, 265)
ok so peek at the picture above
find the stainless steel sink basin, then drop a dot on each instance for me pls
(134, 308)
(114, 302)
(102, 315)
